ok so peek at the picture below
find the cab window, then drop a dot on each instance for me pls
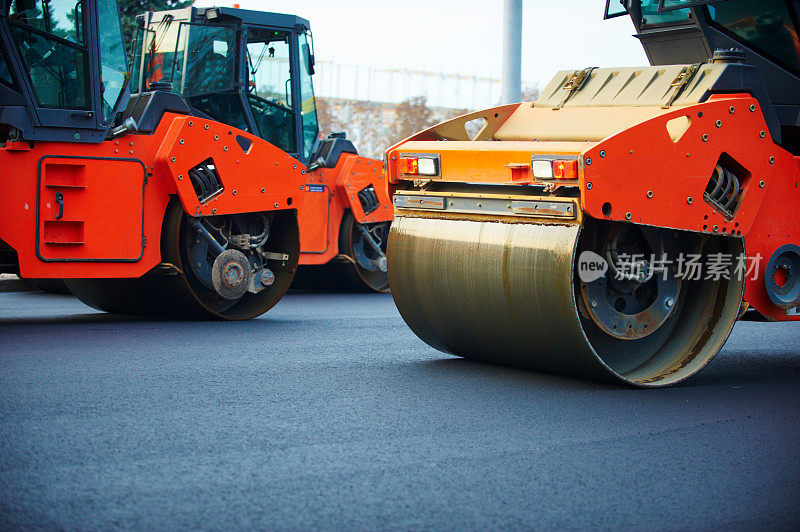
(223, 107)
(210, 59)
(616, 8)
(269, 86)
(49, 36)
(763, 25)
(307, 101)
(676, 4)
(651, 17)
(5, 71)
(154, 51)
(113, 60)
(62, 18)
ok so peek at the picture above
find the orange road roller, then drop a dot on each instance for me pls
(253, 70)
(141, 205)
(617, 227)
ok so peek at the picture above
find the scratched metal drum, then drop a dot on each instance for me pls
(507, 293)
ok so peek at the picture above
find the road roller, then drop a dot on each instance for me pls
(140, 204)
(617, 227)
(268, 91)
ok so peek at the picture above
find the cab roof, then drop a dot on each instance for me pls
(248, 16)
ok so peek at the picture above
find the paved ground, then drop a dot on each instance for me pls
(329, 413)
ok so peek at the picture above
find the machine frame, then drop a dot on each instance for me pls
(346, 215)
(697, 154)
(134, 207)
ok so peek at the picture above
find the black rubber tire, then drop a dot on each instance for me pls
(338, 277)
(51, 286)
(181, 295)
(371, 281)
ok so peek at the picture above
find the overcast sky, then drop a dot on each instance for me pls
(461, 36)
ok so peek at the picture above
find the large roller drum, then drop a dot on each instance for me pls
(509, 293)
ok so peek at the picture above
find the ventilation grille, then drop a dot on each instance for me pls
(369, 199)
(205, 180)
(724, 190)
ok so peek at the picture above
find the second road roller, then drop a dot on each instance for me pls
(266, 89)
(618, 226)
(141, 205)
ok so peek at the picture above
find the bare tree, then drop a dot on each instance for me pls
(329, 119)
(374, 127)
(413, 115)
(531, 93)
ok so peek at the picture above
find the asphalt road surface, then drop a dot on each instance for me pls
(329, 413)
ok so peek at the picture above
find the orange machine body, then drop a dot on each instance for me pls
(330, 193)
(643, 174)
(333, 185)
(96, 210)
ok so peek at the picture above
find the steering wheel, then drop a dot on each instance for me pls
(276, 105)
(44, 56)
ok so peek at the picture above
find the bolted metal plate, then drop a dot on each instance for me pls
(487, 205)
(418, 202)
(544, 208)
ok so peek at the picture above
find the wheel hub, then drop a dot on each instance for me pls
(230, 274)
(635, 296)
(782, 279)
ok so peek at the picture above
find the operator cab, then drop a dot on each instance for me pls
(63, 69)
(690, 31)
(249, 69)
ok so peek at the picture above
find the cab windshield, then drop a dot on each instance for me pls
(269, 86)
(113, 59)
(5, 72)
(766, 26)
(307, 101)
(49, 36)
(651, 15)
(262, 85)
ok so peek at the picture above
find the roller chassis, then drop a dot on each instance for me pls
(339, 184)
(647, 174)
(138, 204)
(157, 165)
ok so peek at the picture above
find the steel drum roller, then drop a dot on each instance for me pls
(507, 293)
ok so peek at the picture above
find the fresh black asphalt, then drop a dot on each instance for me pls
(329, 413)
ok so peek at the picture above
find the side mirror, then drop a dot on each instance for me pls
(308, 57)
